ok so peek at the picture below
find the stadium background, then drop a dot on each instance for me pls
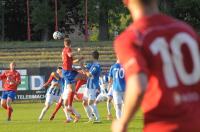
(26, 37)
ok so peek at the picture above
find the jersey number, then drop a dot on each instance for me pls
(119, 73)
(173, 62)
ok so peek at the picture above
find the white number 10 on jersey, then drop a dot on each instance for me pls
(173, 62)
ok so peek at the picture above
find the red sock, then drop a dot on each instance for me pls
(70, 98)
(59, 104)
(9, 112)
(5, 107)
(79, 83)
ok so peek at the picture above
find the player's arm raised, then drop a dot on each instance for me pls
(49, 81)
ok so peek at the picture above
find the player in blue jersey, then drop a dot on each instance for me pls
(54, 90)
(92, 87)
(118, 81)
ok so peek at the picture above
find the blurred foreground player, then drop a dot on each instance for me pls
(11, 79)
(164, 53)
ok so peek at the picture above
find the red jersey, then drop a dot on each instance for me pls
(10, 79)
(167, 50)
(67, 60)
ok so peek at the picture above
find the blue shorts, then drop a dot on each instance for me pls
(69, 76)
(10, 94)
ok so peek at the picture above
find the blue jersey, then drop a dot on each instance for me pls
(117, 75)
(95, 71)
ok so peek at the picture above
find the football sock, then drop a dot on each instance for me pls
(67, 115)
(9, 111)
(109, 108)
(88, 112)
(58, 105)
(70, 98)
(118, 111)
(95, 111)
(44, 110)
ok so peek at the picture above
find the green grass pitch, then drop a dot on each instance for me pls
(25, 119)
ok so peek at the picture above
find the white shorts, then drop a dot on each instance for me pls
(65, 94)
(110, 92)
(89, 94)
(102, 97)
(50, 98)
(118, 97)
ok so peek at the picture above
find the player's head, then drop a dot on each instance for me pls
(95, 55)
(141, 7)
(12, 65)
(67, 42)
(59, 69)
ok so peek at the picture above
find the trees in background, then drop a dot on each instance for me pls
(106, 18)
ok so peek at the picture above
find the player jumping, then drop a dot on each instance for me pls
(11, 80)
(70, 76)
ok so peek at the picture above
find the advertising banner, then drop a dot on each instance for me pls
(36, 82)
(24, 83)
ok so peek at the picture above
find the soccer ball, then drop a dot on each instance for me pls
(57, 35)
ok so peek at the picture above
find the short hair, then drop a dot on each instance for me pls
(59, 67)
(67, 40)
(95, 54)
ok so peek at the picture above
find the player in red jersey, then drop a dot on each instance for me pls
(70, 76)
(11, 79)
(161, 58)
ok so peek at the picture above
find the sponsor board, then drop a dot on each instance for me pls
(31, 95)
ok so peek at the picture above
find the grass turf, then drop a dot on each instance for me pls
(25, 119)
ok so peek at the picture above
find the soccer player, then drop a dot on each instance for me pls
(117, 79)
(89, 95)
(54, 90)
(70, 76)
(11, 80)
(162, 52)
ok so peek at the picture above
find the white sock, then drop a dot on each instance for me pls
(95, 111)
(109, 108)
(44, 110)
(67, 115)
(118, 111)
(88, 111)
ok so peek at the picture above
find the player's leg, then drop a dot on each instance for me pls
(109, 104)
(79, 83)
(58, 106)
(11, 97)
(118, 101)
(91, 100)
(85, 104)
(48, 103)
(4, 100)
